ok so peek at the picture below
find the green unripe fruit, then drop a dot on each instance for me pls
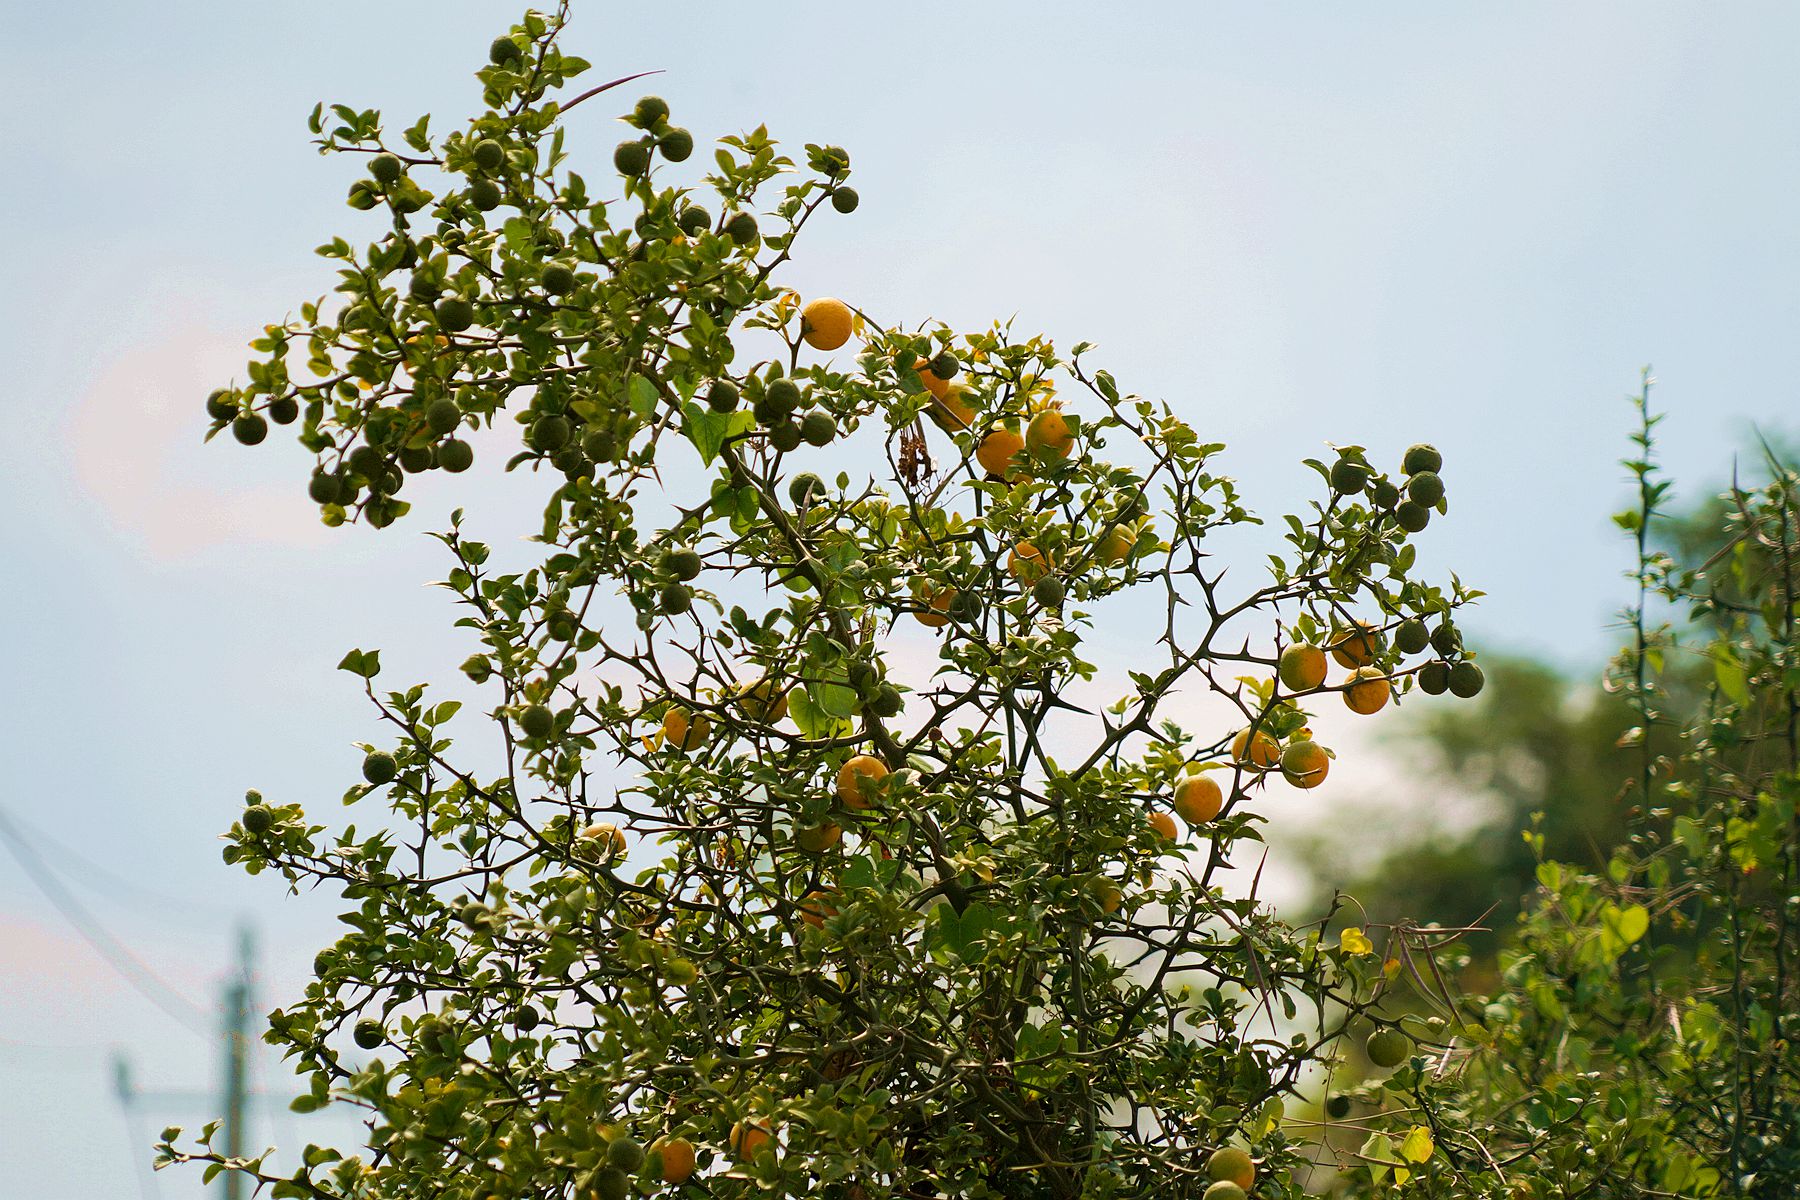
(478, 667)
(782, 397)
(1434, 678)
(455, 457)
(887, 701)
(722, 396)
(676, 145)
(362, 196)
(414, 459)
(503, 51)
(611, 1184)
(526, 1018)
(558, 278)
(1466, 680)
(367, 462)
(250, 429)
(572, 463)
(221, 406)
(631, 158)
(785, 436)
(368, 1033)
(1446, 641)
(1385, 494)
(1223, 1190)
(845, 200)
(442, 415)
(599, 444)
(683, 562)
(562, 625)
(965, 607)
(806, 489)
(488, 155)
(946, 365)
(1349, 477)
(258, 818)
(485, 195)
(385, 168)
(741, 228)
(1421, 457)
(423, 289)
(624, 1153)
(284, 410)
(1425, 488)
(379, 767)
(1048, 592)
(536, 721)
(1411, 636)
(1388, 1048)
(1337, 1107)
(651, 111)
(818, 429)
(694, 220)
(864, 678)
(324, 489)
(550, 433)
(1411, 516)
(454, 314)
(676, 598)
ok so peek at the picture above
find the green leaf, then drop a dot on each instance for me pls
(1417, 1146)
(708, 430)
(366, 663)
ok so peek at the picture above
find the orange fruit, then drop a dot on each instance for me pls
(1231, 1165)
(677, 1162)
(1164, 825)
(684, 730)
(1109, 895)
(1302, 667)
(1305, 764)
(1049, 435)
(998, 453)
(610, 837)
(1028, 564)
(1198, 800)
(859, 779)
(748, 1139)
(934, 383)
(937, 605)
(1356, 646)
(1368, 691)
(816, 906)
(1259, 751)
(952, 407)
(819, 838)
(825, 323)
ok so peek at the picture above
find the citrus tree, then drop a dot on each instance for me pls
(730, 887)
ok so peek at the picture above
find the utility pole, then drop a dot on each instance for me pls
(237, 1062)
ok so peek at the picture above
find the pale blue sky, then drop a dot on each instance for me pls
(1297, 222)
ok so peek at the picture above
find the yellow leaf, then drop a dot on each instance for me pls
(1354, 941)
(1417, 1146)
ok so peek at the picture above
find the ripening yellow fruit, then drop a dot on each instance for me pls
(816, 906)
(1049, 434)
(610, 838)
(934, 383)
(762, 702)
(685, 730)
(1356, 646)
(1231, 1165)
(1257, 751)
(819, 838)
(1164, 825)
(951, 408)
(1115, 546)
(1302, 667)
(748, 1139)
(937, 600)
(1198, 800)
(676, 1158)
(859, 780)
(825, 323)
(1305, 764)
(998, 453)
(1028, 564)
(1367, 691)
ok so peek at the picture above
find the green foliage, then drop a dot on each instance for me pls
(673, 912)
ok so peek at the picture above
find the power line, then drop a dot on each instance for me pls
(94, 875)
(117, 956)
